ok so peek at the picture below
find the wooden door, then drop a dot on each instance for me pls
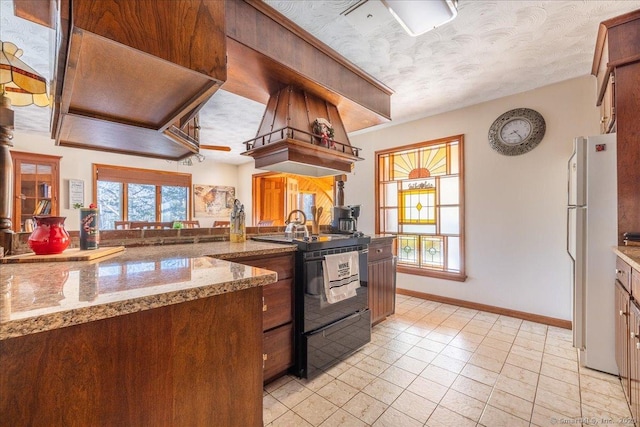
(291, 201)
(272, 206)
(622, 335)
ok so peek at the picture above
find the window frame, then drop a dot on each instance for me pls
(158, 178)
(421, 271)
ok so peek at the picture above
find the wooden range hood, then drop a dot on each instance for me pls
(288, 142)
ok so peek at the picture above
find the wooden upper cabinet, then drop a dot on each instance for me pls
(129, 72)
(617, 54)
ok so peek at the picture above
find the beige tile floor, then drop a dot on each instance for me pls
(435, 364)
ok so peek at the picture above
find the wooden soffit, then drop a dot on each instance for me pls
(266, 51)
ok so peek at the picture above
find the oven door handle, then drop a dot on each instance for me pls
(324, 328)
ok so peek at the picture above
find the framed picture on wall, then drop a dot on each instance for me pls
(213, 200)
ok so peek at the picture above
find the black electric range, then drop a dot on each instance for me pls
(325, 333)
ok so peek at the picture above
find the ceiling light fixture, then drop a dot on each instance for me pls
(418, 17)
(20, 85)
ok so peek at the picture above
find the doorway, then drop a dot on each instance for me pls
(277, 194)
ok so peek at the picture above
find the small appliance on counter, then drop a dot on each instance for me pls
(631, 238)
(345, 219)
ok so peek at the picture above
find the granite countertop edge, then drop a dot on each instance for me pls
(630, 254)
(78, 316)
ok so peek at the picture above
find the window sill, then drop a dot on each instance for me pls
(458, 277)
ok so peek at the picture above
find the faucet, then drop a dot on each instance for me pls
(304, 220)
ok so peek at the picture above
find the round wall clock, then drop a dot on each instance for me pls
(517, 131)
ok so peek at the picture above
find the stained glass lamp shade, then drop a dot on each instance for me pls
(19, 82)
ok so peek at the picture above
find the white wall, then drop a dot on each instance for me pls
(77, 164)
(515, 205)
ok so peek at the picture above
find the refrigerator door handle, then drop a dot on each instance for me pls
(573, 260)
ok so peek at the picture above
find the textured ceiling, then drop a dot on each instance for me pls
(492, 49)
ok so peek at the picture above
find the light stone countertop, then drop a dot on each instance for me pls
(36, 297)
(630, 254)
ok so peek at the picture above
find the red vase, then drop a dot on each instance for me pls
(49, 237)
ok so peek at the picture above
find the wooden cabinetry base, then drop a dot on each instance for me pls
(196, 363)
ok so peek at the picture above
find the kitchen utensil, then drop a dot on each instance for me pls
(314, 221)
(296, 229)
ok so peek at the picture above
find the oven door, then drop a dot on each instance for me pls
(317, 311)
(329, 345)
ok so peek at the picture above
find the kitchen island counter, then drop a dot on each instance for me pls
(37, 297)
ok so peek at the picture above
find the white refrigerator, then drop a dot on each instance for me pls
(592, 231)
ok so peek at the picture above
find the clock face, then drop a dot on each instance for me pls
(517, 131)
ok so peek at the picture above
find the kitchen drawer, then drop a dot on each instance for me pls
(635, 284)
(380, 250)
(277, 304)
(281, 264)
(277, 351)
(623, 274)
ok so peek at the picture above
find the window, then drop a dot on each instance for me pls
(129, 194)
(420, 198)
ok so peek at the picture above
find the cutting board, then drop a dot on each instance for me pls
(68, 255)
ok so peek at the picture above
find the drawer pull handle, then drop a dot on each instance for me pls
(620, 272)
(264, 359)
(633, 334)
(623, 313)
(264, 306)
(638, 345)
(378, 250)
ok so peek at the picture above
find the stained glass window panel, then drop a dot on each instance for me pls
(449, 190)
(418, 206)
(453, 253)
(434, 159)
(418, 184)
(454, 159)
(390, 194)
(419, 228)
(450, 220)
(432, 255)
(391, 220)
(408, 249)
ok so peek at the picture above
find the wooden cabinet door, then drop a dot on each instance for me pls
(634, 359)
(277, 350)
(36, 180)
(622, 334)
(382, 289)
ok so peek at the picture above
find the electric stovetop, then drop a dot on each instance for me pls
(316, 242)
